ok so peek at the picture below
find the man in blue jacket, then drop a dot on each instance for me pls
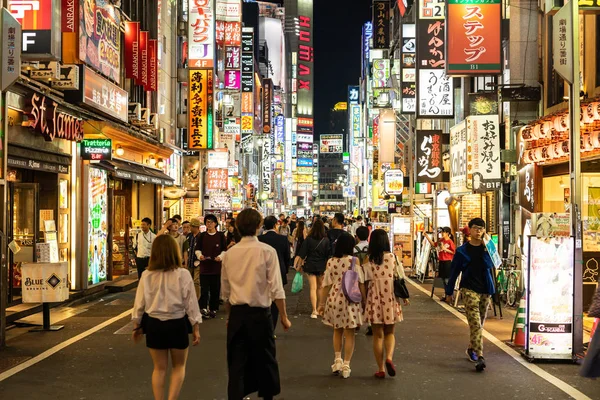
(476, 286)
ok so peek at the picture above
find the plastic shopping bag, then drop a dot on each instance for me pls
(297, 283)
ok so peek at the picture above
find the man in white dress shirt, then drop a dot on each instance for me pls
(143, 243)
(250, 282)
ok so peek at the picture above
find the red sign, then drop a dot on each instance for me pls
(69, 16)
(50, 123)
(132, 50)
(152, 66)
(144, 45)
(473, 37)
(233, 34)
(32, 15)
(217, 178)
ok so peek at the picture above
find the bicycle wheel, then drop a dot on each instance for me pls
(511, 290)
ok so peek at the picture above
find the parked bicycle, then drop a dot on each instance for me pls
(508, 281)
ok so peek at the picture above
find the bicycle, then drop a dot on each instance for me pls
(508, 280)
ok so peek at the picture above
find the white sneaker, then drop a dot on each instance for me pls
(337, 366)
(346, 371)
(314, 315)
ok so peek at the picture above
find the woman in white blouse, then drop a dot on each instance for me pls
(166, 309)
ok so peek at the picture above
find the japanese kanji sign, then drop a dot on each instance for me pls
(217, 178)
(562, 43)
(474, 43)
(201, 34)
(381, 24)
(458, 159)
(527, 187)
(11, 50)
(200, 97)
(483, 153)
(429, 156)
(408, 65)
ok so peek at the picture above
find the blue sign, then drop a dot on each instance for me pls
(353, 94)
(305, 162)
(279, 129)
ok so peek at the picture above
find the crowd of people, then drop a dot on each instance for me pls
(186, 273)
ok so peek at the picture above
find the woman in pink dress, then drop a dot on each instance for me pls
(337, 311)
(382, 309)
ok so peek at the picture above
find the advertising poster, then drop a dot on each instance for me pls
(550, 300)
(201, 35)
(191, 208)
(218, 158)
(381, 73)
(491, 245)
(45, 282)
(100, 38)
(332, 143)
(458, 159)
(97, 225)
(473, 38)
(429, 156)
(483, 158)
(547, 225)
(423, 257)
(394, 181)
(200, 113)
(219, 200)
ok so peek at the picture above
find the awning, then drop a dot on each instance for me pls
(136, 172)
(22, 157)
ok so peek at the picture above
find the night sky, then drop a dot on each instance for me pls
(337, 42)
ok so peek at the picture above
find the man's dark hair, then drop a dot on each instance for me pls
(270, 222)
(359, 218)
(281, 215)
(339, 217)
(211, 217)
(476, 221)
(248, 222)
(177, 217)
(362, 232)
(147, 220)
(344, 245)
(185, 222)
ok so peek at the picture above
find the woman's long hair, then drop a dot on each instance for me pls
(379, 243)
(165, 255)
(317, 231)
(449, 232)
(300, 233)
(237, 236)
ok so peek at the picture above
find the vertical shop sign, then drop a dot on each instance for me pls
(132, 50)
(232, 79)
(434, 87)
(353, 94)
(267, 105)
(306, 59)
(387, 135)
(233, 34)
(152, 65)
(100, 38)
(201, 38)
(432, 9)
(473, 37)
(97, 225)
(356, 116)
(233, 57)
(266, 165)
(70, 30)
(458, 159)
(381, 24)
(527, 187)
(429, 156)
(247, 60)
(144, 44)
(11, 49)
(366, 52)
(217, 178)
(40, 27)
(483, 158)
(200, 128)
(408, 69)
(562, 42)
(381, 73)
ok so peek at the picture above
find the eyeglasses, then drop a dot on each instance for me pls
(477, 228)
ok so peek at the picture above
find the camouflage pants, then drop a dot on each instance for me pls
(476, 306)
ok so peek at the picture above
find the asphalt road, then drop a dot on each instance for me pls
(430, 360)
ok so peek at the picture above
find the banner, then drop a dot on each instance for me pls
(132, 50)
(152, 66)
(70, 30)
(200, 129)
(381, 24)
(458, 159)
(201, 36)
(143, 68)
(473, 37)
(267, 106)
(45, 282)
(100, 38)
(429, 156)
(483, 158)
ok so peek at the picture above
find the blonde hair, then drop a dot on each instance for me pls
(165, 255)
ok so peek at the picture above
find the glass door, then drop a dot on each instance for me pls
(23, 229)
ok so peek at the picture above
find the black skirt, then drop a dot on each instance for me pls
(169, 334)
(445, 267)
(251, 355)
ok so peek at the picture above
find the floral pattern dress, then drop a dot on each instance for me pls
(339, 312)
(382, 307)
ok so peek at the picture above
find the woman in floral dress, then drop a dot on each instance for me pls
(382, 309)
(337, 311)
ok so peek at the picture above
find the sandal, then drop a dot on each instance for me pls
(379, 375)
(391, 369)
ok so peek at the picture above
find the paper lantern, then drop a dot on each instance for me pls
(584, 117)
(587, 144)
(536, 132)
(546, 129)
(596, 139)
(526, 133)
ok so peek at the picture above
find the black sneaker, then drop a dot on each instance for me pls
(369, 331)
(212, 314)
(205, 313)
(471, 355)
(480, 364)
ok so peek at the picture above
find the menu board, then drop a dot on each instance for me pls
(550, 300)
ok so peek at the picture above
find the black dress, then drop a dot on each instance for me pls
(315, 254)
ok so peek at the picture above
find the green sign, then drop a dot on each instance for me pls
(96, 149)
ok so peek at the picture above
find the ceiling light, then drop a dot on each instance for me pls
(152, 160)
(160, 163)
(119, 151)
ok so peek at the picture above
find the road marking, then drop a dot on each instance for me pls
(562, 385)
(21, 367)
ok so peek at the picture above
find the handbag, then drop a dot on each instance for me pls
(350, 286)
(400, 289)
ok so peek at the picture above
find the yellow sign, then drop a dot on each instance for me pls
(247, 124)
(341, 106)
(200, 99)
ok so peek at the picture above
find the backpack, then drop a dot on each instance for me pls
(361, 254)
(350, 286)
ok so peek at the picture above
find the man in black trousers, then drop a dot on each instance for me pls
(282, 246)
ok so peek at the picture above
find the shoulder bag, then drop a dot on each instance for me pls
(400, 289)
(350, 286)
